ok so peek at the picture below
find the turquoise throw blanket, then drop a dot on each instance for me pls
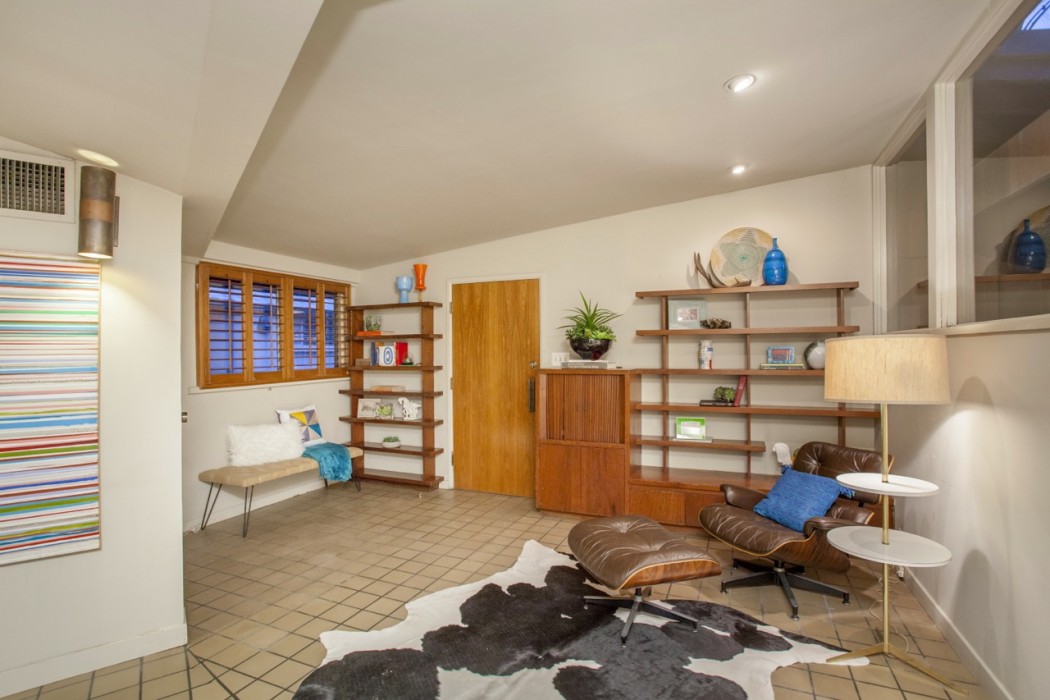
(333, 459)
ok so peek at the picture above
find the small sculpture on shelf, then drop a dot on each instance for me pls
(716, 323)
(409, 408)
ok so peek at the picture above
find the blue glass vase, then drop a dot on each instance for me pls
(1029, 251)
(775, 267)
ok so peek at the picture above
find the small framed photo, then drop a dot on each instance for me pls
(684, 314)
(385, 410)
(367, 408)
(690, 428)
(780, 354)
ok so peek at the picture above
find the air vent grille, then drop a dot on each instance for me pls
(35, 187)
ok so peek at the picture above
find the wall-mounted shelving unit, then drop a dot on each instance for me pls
(426, 450)
(673, 494)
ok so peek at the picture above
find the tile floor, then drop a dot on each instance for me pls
(340, 559)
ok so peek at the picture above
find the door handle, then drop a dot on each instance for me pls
(532, 394)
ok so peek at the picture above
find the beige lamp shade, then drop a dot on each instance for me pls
(887, 369)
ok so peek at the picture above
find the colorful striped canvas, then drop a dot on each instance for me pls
(49, 495)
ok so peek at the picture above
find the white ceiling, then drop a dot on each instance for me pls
(360, 133)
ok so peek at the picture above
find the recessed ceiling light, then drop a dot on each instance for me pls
(98, 158)
(738, 169)
(739, 83)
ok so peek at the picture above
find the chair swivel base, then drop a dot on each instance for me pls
(787, 577)
(638, 603)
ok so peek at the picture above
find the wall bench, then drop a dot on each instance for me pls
(248, 477)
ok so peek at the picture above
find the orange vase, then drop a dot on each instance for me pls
(421, 278)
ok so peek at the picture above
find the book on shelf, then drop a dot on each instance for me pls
(713, 402)
(741, 386)
(782, 365)
(374, 333)
(388, 388)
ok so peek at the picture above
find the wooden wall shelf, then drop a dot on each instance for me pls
(675, 495)
(426, 451)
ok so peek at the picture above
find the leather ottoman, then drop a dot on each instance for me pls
(633, 551)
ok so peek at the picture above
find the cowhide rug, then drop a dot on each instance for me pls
(524, 633)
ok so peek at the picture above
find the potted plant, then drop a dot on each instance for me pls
(588, 329)
(391, 442)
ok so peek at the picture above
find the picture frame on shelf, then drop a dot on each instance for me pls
(367, 407)
(685, 314)
(385, 409)
(690, 428)
(780, 354)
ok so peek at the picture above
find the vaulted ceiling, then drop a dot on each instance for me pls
(364, 132)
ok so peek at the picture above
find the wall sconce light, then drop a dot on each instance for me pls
(99, 213)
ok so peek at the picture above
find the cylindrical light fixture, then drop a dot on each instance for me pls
(97, 212)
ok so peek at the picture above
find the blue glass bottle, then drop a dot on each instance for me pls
(775, 267)
(1029, 251)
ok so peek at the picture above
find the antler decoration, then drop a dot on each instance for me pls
(699, 262)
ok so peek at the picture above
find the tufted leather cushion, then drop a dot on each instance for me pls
(629, 551)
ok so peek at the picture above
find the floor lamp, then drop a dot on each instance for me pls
(885, 369)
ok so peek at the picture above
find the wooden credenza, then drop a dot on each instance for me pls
(582, 441)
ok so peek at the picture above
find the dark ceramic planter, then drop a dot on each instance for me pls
(589, 348)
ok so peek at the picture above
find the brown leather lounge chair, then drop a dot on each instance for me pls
(790, 552)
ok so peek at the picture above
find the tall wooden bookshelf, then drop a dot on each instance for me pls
(364, 376)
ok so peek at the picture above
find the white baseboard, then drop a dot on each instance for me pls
(39, 673)
(990, 683)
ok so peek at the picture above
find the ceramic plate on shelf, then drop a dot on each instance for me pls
(739, 254)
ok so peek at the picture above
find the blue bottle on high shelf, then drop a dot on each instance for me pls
(775, 267)
(1029, 251)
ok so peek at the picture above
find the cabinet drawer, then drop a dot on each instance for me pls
(584, 480)
(671, 507)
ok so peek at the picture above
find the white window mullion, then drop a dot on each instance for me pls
(941, 210)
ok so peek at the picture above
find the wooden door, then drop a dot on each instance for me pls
(495, 350)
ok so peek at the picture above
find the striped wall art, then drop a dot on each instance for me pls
(49, 332)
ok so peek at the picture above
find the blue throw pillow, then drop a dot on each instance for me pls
(844, 491)
(797, 497)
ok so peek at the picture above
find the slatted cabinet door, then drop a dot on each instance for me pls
(581, 438)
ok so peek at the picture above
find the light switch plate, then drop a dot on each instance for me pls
(558, 357)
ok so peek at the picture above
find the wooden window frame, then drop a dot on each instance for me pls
(286, 285)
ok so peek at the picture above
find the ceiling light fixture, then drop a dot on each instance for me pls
(98, 158)
(739, 83)
(738, 169)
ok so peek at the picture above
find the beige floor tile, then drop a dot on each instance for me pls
(73, 691)
(118, 680)
(133, 693)
(165, 686)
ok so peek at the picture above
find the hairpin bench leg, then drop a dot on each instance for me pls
(248, 493)
(207, 512)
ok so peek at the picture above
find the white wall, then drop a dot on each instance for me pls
(71, 614)
(987, 451)
(823, 224)
(210, 411)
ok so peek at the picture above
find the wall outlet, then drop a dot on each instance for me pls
(558, 357)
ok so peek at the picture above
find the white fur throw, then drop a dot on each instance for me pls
(257, 444)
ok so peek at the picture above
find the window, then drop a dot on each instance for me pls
(906, 237)
(1007, 101)
(256, 327)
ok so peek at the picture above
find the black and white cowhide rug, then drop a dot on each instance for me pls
(524, 633)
